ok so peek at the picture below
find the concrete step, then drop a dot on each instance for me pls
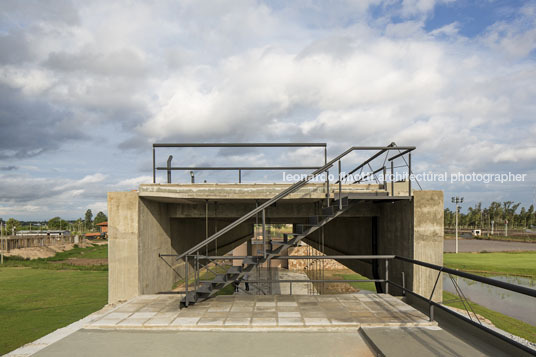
(416, 341)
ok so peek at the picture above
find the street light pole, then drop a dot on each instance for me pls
(458, 201)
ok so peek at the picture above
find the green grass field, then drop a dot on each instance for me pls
(39, 296)
(35, 302)
(504, 322)
(361, 286)
(504, 263)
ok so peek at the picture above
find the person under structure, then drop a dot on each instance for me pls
(236, 283)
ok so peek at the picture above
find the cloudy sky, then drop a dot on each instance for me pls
(87, 86)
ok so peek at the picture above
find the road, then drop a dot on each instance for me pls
(477, 245)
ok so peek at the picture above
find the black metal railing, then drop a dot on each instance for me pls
(196, 259)
(291, 189)
(168, 168)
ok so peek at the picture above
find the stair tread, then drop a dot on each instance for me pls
(208, 289)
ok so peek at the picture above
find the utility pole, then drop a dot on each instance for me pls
(458, 201)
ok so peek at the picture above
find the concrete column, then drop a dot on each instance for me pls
(123, 267)
(428, 241)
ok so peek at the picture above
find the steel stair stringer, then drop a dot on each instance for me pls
(208, 289)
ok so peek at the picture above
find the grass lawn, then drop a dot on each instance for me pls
(57, 261)
(504, 322)
(361, 286)
(504, 263)
(517, 238)
(39, 296)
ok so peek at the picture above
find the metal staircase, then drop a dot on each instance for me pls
(235, 273)
(337, 202)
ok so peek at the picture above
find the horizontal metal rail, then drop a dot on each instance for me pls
(291, 257)
(482, 279)
(168, 168)
(236, 145)
(234, 168)
(285, 193)
(468, 320)
(309, 281)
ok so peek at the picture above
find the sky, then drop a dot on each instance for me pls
(86, 87)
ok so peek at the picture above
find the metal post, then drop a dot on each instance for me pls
(239, 176)
(327, 175)
(386, 276)
(154, 166)
(169, 168)
(384, 178)
(431, 313)
(403, 284)
(340, 187)
(457, 227)
(264, 233)
(392, 178)
(206, 223)
(197, 270)
(409, 174)
(186, 279)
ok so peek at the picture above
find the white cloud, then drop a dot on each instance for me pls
(133, 183)
(248, 71)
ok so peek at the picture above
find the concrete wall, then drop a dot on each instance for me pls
(428, 241)
(123, 267)
(154, 237)
(141, 228)
(414, 229)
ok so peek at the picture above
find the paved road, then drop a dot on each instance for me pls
(477, 245)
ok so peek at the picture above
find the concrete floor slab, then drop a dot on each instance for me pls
(263, 311)
(85, 343)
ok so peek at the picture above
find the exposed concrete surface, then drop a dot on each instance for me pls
(222, 343)
(269, 312)
(417, 341)
(186, 192)
(427, 241)
(479, 245)
(123, 247)
(31, 348)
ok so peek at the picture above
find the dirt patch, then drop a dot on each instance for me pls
(43, 252)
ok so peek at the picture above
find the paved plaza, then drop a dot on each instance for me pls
(264, 312)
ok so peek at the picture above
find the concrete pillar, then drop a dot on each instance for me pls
(123, 267)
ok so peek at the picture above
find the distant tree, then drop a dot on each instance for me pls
(12, 222)
(89, 218)
(100, 217)
(56, 223)
(530, 216)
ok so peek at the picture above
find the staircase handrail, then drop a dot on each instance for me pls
(281, 195)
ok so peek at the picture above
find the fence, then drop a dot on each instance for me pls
(14, 242)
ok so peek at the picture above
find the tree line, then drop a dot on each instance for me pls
(56, 223)
(499, 212)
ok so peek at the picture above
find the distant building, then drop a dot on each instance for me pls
(103, 227)
(52, 233)
(102, 233)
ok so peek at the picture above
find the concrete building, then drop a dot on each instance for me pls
(171, 218)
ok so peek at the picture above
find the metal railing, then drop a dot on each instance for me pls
(291, 189)
(497, 283)
(168, 168)
(387, 282)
